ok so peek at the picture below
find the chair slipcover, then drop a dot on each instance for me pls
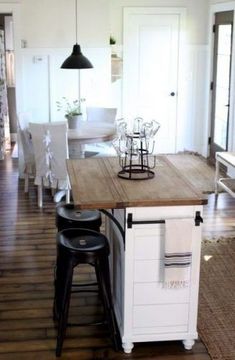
(28, 152)
(26, 146)
(100, 114)
(50, 145)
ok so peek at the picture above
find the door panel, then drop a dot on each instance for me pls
(221, 82)
(151, 49)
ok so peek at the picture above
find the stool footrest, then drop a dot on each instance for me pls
(85, 284)
(96, 323)
(78, 288)
(84, 290)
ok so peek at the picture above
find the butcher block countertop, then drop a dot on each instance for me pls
(95, 185)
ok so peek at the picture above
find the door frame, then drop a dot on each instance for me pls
(231, 125)
(182, 61)
(14, 9)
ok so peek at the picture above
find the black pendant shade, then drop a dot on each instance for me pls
(76, 60)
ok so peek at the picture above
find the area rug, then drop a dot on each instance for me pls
(216, 318)
(196, 170)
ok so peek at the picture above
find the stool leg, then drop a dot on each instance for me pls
(64, 275)
(58, 284)
(103, 277)
(55, 310)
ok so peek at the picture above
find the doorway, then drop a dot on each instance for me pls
(6, 24)
(151, 68)
(221, 82)
(13, 9)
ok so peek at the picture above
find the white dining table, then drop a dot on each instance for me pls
(89, 132)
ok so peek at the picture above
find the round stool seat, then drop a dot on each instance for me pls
(82, 240)
(67, 216)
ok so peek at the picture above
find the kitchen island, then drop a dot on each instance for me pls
(136, 215)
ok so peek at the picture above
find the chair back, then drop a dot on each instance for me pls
(23, 119)
(27, 147)
(100, 114)
(50, 143)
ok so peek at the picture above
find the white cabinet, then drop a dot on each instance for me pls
(145, 310)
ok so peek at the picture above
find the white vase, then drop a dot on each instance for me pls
(74, 121)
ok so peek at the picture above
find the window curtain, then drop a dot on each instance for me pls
(4, 118)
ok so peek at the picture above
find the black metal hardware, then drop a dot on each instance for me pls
(172, 93)
(116, 222)
(198, 218)
(209, 140)
(130, 221)
(134, 149)
(213, 28)
(142, 170)
(212, 85)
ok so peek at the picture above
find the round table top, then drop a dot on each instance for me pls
(92, 132)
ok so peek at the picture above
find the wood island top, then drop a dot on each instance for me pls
(95, 185)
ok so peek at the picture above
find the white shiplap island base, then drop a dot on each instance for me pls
(145, 309)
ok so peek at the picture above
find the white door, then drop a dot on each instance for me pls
(150, 72)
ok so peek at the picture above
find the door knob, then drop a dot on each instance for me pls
(172, 93)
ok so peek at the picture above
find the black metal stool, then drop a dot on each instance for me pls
(67, 216)
(74, 247)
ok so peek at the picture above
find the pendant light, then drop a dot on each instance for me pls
(76, 60)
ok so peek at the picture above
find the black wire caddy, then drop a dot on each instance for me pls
(135, 149)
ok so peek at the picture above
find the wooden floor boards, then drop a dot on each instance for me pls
(27, 258)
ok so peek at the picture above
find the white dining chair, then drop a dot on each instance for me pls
(25, 140)
(50, 143)
(100, 115)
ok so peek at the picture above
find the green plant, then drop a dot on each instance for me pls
(112, 41)
(70, 108)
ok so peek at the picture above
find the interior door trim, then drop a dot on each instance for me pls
(221, 18)
(231, 138)
(181, 12)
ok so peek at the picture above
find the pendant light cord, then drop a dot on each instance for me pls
(79, 80)
(76, 25)
(76, 60)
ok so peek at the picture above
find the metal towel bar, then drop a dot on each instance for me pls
(198, 219)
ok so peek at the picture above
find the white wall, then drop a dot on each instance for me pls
(218, 1)
(48, 34)
(48, 26)
(44, 82)
(197, 15)
(193, 129)
(51, 23)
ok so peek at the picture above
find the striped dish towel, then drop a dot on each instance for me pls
(178, 252)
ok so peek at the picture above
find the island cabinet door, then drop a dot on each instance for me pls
(152, 311)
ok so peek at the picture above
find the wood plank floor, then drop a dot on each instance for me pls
(27, 258)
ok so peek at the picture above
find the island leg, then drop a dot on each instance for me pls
(216, 176)
(188, 344)
(127, 347)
